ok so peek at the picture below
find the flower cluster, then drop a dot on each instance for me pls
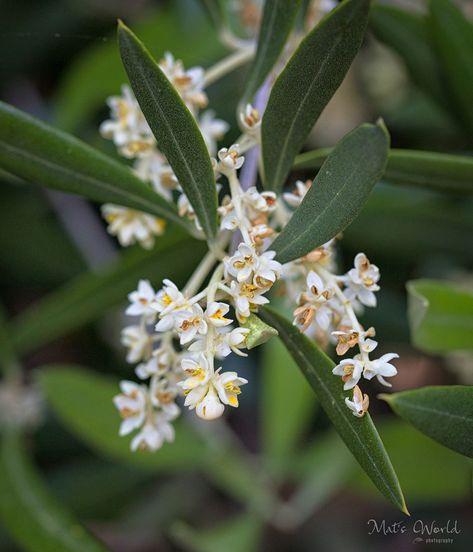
(182, 336)
(133, 138)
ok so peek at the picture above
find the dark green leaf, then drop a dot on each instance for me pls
(174, 127)
(39, 154)
(83, 402)
(31, 515)
(444, 413)
(278, 19)
(452, 34)
(440, 316)
(426, 169)
(338, 193)
(359, 434)
(407, 33)
(306, 84)
(88, 297)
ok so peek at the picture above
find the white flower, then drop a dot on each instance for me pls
(242, 263)
(185, 209)
(350, 369)
(189, 84)
(159, 363)
(234, 340)
(131, 404)
(128, 127)
(209, 407)
(381, 368)
(131, 226)
(154, 433)
(138, 342)
(190, 322)
(228, 385)
(197, 373)
(215, 314)
(294, 199)
(212, 130)
(142, 300)
(359, 404)
(267, 270)
(256, 202)
(250, 119)
(230, 158)
(162, 393)
(169, 301)
(362, 281)
(154, 168)
(246, 297)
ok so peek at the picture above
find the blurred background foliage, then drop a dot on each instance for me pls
(277, 478)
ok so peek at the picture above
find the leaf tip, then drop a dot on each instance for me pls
(384, 397)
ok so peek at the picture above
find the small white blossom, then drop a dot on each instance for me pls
(246, 297)
(250, 119)
(159, 363)
(350, 370)
(155, 169)
(362, 281)
(188, 323)
(228, 385)
(381, 368)
(215, 314)
(242, 263)
(209, 406)
(267, 270)
(138, 342)
(212, 130)
(294, 199)
(230, 158)
(197, 372)
(359, 404)
(154, 433)
(131, 226)
(131, 404)
(142, 301)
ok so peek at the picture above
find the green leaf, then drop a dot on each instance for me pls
(278, 20)
(89, 296)
(282, 428)
(407, 33)
(214, 9)
(40, 154)
(444, 413)
(430, 473)
(306, 84)
(33, 518)
(240, 534)
(452, 35)
(338, 193)
(425, 169)
(174, 127)
(440, 316)
(359, 434)
(83, 402)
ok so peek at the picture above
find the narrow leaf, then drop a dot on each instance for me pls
(338, 193)
(306, 85)
(33, 518)
(444, 413)
(69, 388)
(440, 316)
(174, 127)
(359, 434)
(40, 154)
(88, 297)
(425, 169)
(278, 19)
(452, 34)
(407, 33)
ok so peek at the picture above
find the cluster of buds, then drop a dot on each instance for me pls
(132, 136)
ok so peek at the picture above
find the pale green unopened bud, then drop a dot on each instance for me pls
(260, 332)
